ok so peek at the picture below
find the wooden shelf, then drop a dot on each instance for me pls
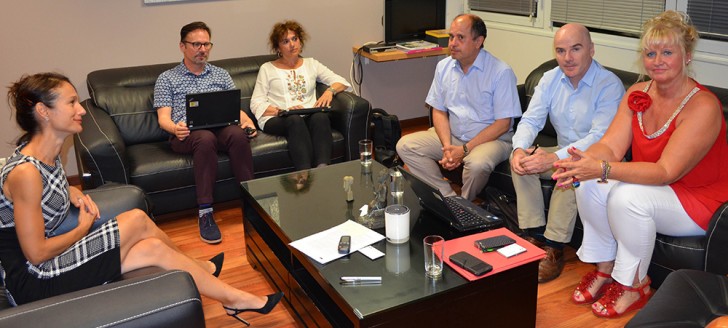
(396, 54)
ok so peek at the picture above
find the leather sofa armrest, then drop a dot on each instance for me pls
(100, 149)
(716, 247)
(350, 116)
(166, 299)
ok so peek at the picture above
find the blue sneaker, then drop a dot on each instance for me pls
(209, 232)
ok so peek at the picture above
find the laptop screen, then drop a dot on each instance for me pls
(213, 109)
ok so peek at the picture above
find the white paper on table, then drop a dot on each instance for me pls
(323, 246)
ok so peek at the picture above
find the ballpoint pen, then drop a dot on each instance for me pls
(534, 150)
(353, 280)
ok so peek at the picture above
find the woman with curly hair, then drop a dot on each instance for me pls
(289, 83)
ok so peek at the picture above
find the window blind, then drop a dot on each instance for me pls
(710, 17)
(624, 16)
(513, 7)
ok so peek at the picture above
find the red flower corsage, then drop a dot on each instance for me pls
(639, 101)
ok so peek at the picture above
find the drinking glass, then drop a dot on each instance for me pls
(366, 148)
(434, 252)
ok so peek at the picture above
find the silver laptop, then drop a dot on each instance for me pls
(459, 212)
(213, 109)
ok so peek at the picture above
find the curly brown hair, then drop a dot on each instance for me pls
(280, 30)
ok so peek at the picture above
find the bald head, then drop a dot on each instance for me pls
(574, 50)
(573, 29)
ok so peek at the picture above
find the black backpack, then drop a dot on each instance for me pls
(385, 131)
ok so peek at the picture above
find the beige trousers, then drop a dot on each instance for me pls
(530, 202)
(421, 151)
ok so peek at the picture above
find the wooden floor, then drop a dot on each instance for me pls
(554, 307)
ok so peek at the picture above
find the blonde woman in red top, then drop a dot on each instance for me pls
(673, 184)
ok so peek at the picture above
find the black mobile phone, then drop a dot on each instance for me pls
(344, 244)
(492, 243)
(471, 263)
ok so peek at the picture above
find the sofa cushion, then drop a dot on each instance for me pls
(126, 94)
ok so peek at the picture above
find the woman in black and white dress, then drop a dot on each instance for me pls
(39, 261)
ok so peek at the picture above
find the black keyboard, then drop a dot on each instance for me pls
(465, 218)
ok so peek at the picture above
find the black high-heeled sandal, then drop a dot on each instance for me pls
(273, 300)
(217, 261)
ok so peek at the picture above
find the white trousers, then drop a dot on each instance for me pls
(621, 221)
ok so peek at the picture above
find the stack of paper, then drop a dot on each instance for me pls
(323, 246)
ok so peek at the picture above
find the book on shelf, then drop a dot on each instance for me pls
(438, 33)
(417, 46)
(441, 37)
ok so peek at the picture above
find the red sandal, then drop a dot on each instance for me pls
(615, 291)
(586, 282)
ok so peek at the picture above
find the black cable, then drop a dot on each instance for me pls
(358, 65)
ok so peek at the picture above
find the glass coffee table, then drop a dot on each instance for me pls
(281, 209)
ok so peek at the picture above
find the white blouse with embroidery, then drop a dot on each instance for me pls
(285, 88)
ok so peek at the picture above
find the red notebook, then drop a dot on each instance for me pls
(499, 262)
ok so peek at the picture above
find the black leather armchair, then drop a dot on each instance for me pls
(148, 297)
(688, 298)
(122, 142)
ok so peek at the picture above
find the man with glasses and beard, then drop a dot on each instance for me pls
(195, 75)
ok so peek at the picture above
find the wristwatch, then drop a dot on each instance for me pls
(333, 91)
(465, 149)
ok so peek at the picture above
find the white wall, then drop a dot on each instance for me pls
(75, 37)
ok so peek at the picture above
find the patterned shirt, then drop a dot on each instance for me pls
(55, 205)
(284, 88)
(55, 202)
(174, 84)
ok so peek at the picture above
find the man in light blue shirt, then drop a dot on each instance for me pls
(580, 98)
(474, 101)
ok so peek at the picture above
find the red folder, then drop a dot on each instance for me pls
(499, 262)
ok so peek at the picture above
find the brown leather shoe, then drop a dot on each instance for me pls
(550, 266)
(534, 241)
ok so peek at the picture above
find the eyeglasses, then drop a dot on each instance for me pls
(198, 45)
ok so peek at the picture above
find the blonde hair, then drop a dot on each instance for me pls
(670, 28)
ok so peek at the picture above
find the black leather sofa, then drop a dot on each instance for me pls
(148, 297)
(670, 254)
(687, 299)
(122, 142)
